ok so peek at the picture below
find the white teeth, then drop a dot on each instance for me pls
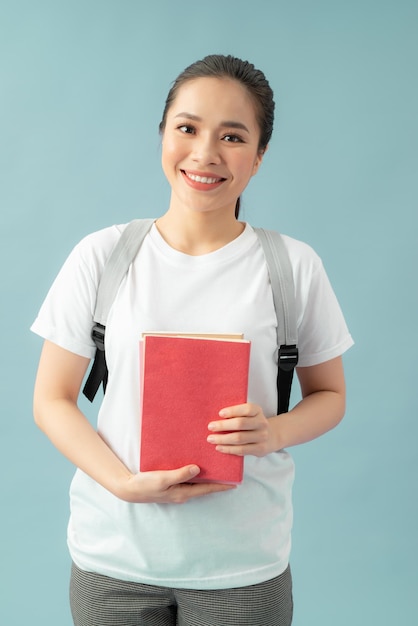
(203, 179)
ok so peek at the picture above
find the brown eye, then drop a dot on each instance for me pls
(232, 139)
(186, 129)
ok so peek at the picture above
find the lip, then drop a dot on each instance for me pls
(201, 184)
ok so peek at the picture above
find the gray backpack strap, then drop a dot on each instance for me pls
(282, 285)
(114, 270)
(281, 278)
(118, 264)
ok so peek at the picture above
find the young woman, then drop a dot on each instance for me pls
(151, 548)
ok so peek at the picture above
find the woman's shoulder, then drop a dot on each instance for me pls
(301, 252)
(95, 247)
(302, 255)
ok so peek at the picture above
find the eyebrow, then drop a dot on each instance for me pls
(225, 124)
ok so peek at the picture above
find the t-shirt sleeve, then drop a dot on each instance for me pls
(66, 315)
(322, 330)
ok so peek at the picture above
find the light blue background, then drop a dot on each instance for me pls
(82, 89)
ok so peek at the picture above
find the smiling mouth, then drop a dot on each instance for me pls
(206, 180)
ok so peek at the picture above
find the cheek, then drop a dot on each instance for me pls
(167, 156)
(171, 153)
(246, 168)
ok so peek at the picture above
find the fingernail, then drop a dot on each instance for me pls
(194, 469)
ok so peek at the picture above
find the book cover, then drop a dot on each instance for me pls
(186, 380)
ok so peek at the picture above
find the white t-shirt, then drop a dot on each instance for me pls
(240, 537)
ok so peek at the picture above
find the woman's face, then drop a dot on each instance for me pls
(210, 144)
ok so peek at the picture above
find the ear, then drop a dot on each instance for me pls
(258, 160)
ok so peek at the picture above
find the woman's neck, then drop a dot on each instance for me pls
(198, 233)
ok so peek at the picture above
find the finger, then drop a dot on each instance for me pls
(245, 410)
(181, 475)
(202, 489)
(182, 493)
(243, 450)
(235, 450)
(234, 424)
(239, 438)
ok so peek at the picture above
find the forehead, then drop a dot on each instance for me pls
(211, 97)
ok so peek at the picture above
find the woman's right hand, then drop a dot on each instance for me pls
(58, 383)
(167, 486)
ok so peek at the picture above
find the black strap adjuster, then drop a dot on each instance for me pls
(98, 336)
(288, 357)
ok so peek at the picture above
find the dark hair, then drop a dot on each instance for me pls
(220, 66)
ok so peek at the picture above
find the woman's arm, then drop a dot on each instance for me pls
(57, 387)
(322, 408)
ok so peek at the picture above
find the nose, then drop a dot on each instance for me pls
(206, 150)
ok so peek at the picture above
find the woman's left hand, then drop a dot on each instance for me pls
(243, 429)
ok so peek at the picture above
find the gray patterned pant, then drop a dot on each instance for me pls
(98, 600)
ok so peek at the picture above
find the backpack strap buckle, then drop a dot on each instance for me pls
(98, 336)
(288, 357)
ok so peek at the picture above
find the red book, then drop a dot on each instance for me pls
(186, 381)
